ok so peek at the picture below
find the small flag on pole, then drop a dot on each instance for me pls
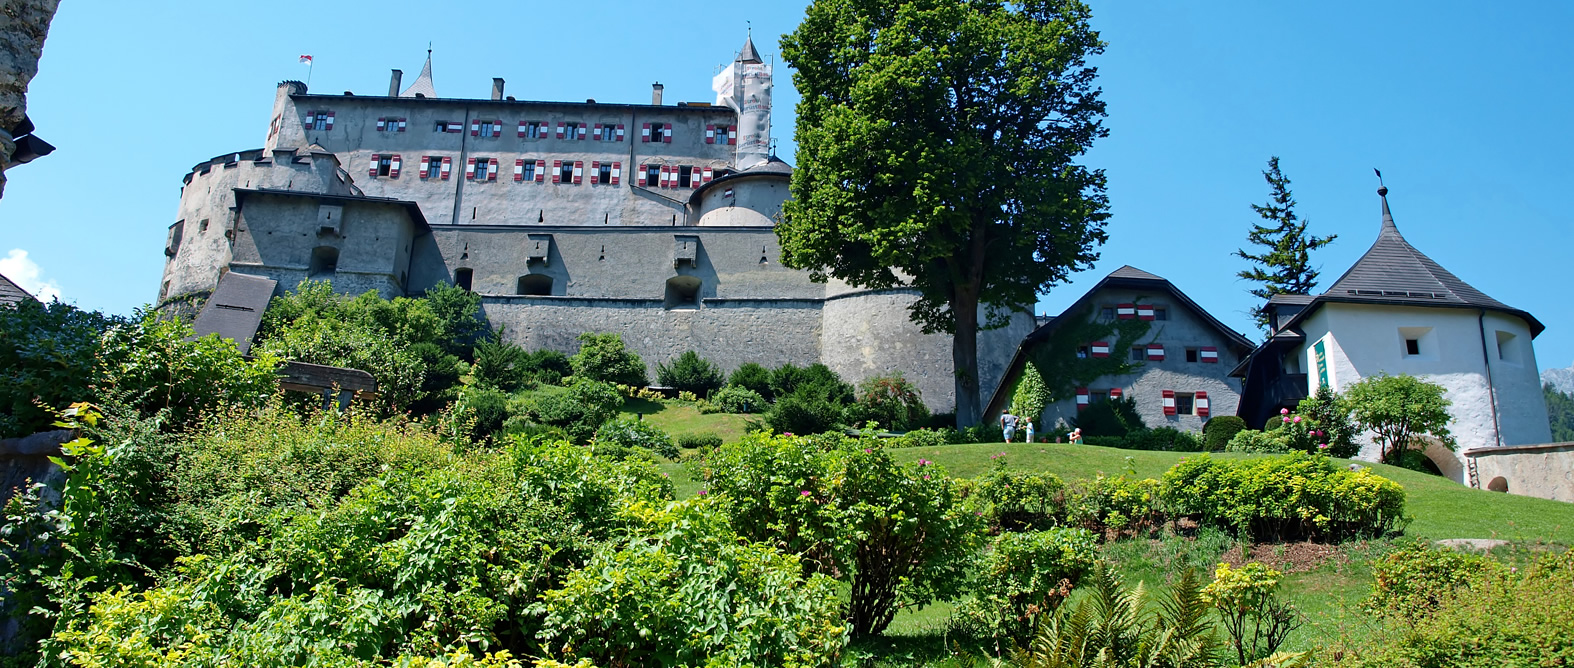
(307, 59)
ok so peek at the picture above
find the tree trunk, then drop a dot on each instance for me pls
(964, 357)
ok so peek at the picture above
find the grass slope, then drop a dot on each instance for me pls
(678, 419)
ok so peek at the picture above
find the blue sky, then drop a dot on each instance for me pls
(1464, 106)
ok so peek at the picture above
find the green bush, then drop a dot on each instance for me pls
(804, 412)
(737, 399)
(704, 442)
(754, 377)
(479, 413)
(1288, 497)
(890, 401)
(1401, 410)
(499, 364)
(815, 379)
(1031, 395)
(1168, 439)
(1262, 442)
(684, 590)
(1111, 417)
(155, 367)
(628, 432)
(579, 409)
(1255, 617)
(690, 373)
(48, 355)
(1019, 500)
(920, 438)
(604, 357)
(1024, 576)
(1413, 581)
(1119, 505)
(1330, 423)
(1105, 441)
(897, 534)
(1218, 431)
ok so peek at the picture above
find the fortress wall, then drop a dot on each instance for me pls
(278, 234)
(727, 332)
(612, 262)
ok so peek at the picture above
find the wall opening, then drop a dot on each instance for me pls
(534, 284)
(1498, 484)
(325, 261)
(463, 277)
(1507, 348)
(683, 292)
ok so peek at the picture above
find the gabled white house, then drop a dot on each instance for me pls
(1398, 312)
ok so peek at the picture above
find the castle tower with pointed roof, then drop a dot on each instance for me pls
(1396, 311)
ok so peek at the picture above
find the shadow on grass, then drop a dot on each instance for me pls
(642, 406)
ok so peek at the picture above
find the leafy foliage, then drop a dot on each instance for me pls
(1296, 495)
(1065, 362)
(1218, 431)
(804, 412)
(604, 357)
(1031, 395)
(704, 442)
(1259, 442)
(737, 399)
(626, 432)
(690, 373)
(1413, 581)
(1329, 414)
(1560, 413)
(1116, 626)
(154, 367)
(1022, 577)
(578, 409)
(967, 186)
(47, 361)
(897, 534)
(1020, 500)
(891, 401)
(1256, 619)
(1398, 409)
(815, 379)
(1111, 417)
(752, 376)
(683, 590)
(1284, 264)
(1116, 505)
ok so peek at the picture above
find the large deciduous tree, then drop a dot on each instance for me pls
(937, 142)
(1284, 267)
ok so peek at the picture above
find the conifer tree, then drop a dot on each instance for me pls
(1284, 265)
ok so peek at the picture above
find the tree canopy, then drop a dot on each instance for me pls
(1284, 267)
(937, 142)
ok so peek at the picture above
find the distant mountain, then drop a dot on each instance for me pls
(1562, 379)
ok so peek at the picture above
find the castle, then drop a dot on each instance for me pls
(653, 221)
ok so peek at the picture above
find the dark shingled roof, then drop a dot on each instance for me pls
(748, 54)
(1393, 272)
(235, 310)
(11, 293)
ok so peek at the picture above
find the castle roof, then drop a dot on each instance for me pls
(748, 54)
(772, 167)
(422, 86)
(11, 293)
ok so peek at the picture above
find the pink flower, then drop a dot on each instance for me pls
(1282, 411)
(702, 492)
(1297, 419)
(925, 462)
(787, 433)
(1322, 446)
(926, 477)
(867, 451)
(803, 493)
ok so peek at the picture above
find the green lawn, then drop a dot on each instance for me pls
(679, 419)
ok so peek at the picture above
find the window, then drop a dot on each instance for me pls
(1083, 352)
(1097, 396)
(1139, 353)
(604, 173)
(462, 278)
(1107, 313)
(529, 171)
(566, 172)
(320, 120)
(684, 174)
(325, 261)
(1161, 314)
(530, 130)
(573, 130)
(659, 132)
(652, 176)
(1507, 348)
(481, 165)
(535, 284)
(384, 164)
(434, 167)
(1418, 343)
(1412, 346)
(203, 227)
(607, 133)
(486, 129)
(1191, 354)
(390, 124)
(683, 292)
(1185, 403)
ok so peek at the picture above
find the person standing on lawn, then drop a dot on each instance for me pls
(1008, 425)
(1027, 428)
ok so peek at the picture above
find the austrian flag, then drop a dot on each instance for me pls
(306, 59)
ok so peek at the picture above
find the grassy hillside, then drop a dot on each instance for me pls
(679, 419)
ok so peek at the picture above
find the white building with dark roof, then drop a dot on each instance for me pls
(1396, 311)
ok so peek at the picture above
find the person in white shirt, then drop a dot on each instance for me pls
(1008, 425)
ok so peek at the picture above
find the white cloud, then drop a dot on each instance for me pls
(25, 273)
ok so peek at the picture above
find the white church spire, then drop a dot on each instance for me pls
(422, 86)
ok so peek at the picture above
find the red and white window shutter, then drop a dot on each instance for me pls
(694, 178)
(617, 172)
(560, 129)
(1114, 393)
(475, 128)
(522, 130)
(373, 171)
(544, 130)
(710, 134)
(401, 125)
(425, 160)
(707, 176)
(519, 169)
(447, 165)
(663, 180)
(644, 133)
(666, 134)
(1126, 311)
(470, 168)
(557, 171)
(497, 128)
(595, 172)
(491, 170)
(1208, 354)
(579, 171)
(1145, 311)
(732, 134)
(1099, 349)
(541, 171)
(1083, 398)
(620, 132)
(1201, 403)
(1155, 352)
(1169, 402)
(330, 121)
(382, 123)
(597, 135)
(393, 167)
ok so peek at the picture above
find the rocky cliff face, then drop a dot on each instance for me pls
(23, 26)
(1562, 379)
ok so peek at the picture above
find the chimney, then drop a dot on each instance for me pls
(655, 94)
(393, 84)
(497, 88)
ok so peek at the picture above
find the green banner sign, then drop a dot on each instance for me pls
(1321, 354)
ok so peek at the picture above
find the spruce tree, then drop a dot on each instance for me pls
(1284, 265)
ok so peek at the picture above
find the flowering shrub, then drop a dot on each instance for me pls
(1119, 505)
(1257, 620)
(1023, 576)
(1297, 495)
(1020, 501)
(1251, 440)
